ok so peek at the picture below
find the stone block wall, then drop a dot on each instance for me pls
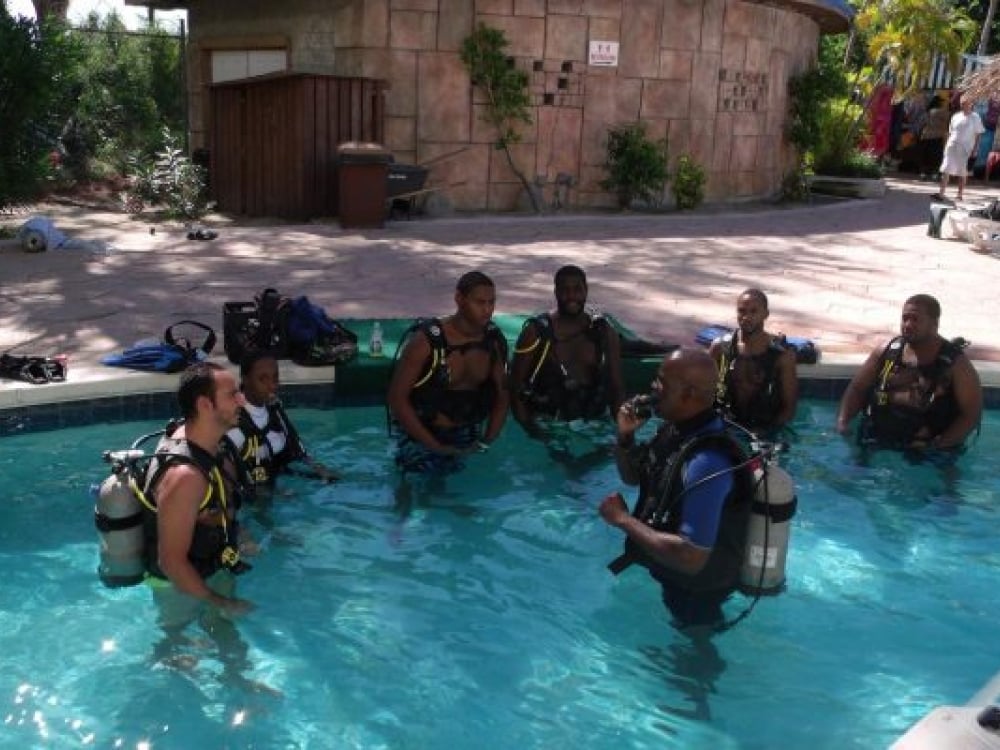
(708, 75)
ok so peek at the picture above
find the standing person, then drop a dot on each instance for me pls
(265, 439)
(450, 378)
(758, 384)
(190, 520)
(932, 137)
(964, 131)
(567, 362)
(918, 391)
(694, 493)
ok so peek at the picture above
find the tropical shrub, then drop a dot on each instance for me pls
(636, 165)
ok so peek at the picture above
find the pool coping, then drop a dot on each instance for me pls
(101, 394)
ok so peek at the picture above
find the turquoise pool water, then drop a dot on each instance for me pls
(486, 618)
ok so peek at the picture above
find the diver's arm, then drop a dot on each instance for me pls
(670, 550)
(969, 397)
(526, 352)
(857, 391)
(789, 379)
(616, 383)
(501, 400)
(411, 365)
(178, 498)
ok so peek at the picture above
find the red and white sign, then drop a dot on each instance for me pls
(604, 54)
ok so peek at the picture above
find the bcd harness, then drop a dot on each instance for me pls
(897, 424)
(550, 388)
(257, 455)
(431, 394)
(661, 503)
(214, 544)
(766, 401)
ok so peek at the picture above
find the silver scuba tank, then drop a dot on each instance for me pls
(768, 530)
(118, 518)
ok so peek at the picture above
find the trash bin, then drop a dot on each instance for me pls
(362, 170)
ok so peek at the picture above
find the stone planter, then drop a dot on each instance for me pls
(847, 187)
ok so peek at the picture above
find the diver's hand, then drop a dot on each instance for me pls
(628, 421)
(613, 509)
(232, 606)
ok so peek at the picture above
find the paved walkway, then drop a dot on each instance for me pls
(836, 272)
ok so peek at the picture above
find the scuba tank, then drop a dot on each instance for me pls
(118, 518)
(768, 528)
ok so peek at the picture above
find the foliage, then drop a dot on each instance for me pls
(506, 89)
(808, 94)
(130, 87)
(636, 165)
(172, 180)
(854, 163)
(34, 101)
(688, 185)
(893, 42)
(795, 187)
(904, 37)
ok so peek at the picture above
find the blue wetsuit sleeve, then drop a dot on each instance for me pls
(704, 501)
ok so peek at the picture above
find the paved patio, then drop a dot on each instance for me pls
(835, 272)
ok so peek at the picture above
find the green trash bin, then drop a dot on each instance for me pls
(362, 171)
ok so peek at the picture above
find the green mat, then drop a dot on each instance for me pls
(369, 376)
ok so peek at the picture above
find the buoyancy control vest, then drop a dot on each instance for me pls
(214, 543)
(257, 455)
(763, 407)
(431, 394)
(930, 401)
(661, 506)
(550, 389)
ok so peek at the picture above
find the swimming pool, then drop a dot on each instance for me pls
(486, 618)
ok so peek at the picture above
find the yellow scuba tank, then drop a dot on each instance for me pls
(118, 518)
(768, 529)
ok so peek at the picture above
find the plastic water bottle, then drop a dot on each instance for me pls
(375, 345)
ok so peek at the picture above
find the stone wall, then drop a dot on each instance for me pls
(709, 75)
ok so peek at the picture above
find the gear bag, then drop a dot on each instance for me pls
(288, 328)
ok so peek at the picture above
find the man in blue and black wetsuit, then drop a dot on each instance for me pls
(758, 384)
(567, 363)
(695, 491)
(918, 392)
(450, 379)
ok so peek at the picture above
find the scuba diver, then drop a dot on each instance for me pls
(450, 378)
(695, 491)
(265, 439)
(919, 392)
(567, 362)
(758, 386)
(189, 525)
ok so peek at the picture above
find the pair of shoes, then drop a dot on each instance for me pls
(938, 197)
(202, 234)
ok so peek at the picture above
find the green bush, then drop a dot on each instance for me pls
(35, 100)
(171, 181)
(636, 165)
(688, 185)
(129, 89)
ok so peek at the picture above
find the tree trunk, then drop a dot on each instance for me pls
(46, 8)
(984, 39)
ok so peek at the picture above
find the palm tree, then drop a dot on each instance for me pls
(984, 39)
